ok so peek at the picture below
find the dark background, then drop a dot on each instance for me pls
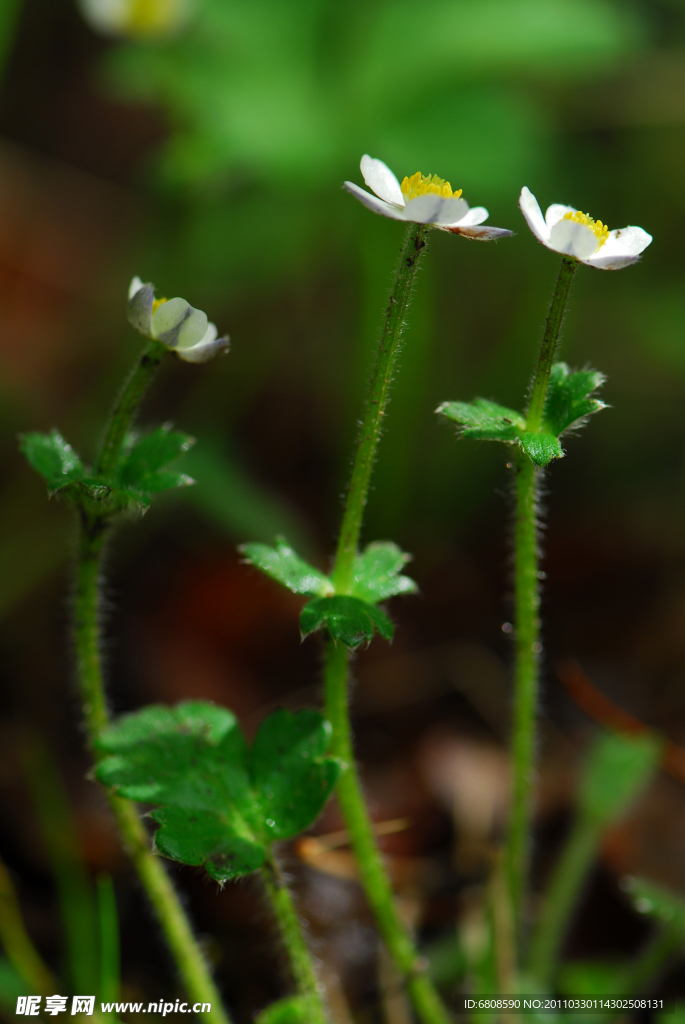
(208, 158)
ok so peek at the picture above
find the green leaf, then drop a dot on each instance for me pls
(617, 769)
(376, 573)
(139, 469)
(283, 565)
(53, 458)
(140, 473)
(568, 402)
(484, 420)
(292, 1010)
(541, 448)
(655, 901)
(346, 618)
(289, 771)
(163, 481)
(568, 397)
(219, 804)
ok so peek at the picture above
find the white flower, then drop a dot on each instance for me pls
(566, 230)
(137, 18)
(421, 199)
(175, 323)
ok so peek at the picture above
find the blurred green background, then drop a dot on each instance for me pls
(208, 157)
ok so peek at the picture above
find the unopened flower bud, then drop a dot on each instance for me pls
(175, 323)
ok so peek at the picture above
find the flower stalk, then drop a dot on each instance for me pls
(124, 410)
(408, 963)
(290, 928)
(527, 605)
(93, 533)
(372, 422)
(406, 959)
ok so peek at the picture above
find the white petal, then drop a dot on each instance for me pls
(381, 180)
(139, 309)
(377, 205)
(451, 212)
(555, 212)
(622, 247)
(610, 262)
(210, 335)
(168, 319)
(573, 239)
(208, 347)
(424, 209)
(530, 208)
(193, 329)
(480, 233)
(630, 241)
(476, 215)
(135, 286)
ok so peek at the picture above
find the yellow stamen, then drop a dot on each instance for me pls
(601, 231)
(428, 184)
(149, 17)
(156, 303)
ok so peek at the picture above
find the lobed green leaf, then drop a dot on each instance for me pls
(140, 474)
(567, 404)
(217, 803)
(140, 468)
(346, 618)
(376, 573)
(52, 457)
(484, 420)
(541, 448)
(282, 564)
(617, 769)
(568, 397)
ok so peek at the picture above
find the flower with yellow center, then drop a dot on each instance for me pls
(566, 230)
(175, 323)
(421, 199)
(136, 19)
(427, 184)
(600, 231)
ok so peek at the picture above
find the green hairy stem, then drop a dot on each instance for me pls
(125, 408)
(408, 963)
(379, 392)
(153, 876)
(527, 607)
(301, 963)
(550, 340)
